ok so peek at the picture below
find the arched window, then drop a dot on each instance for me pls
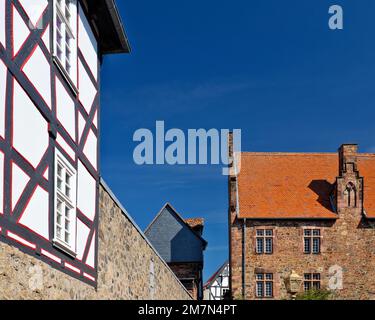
(351, 195)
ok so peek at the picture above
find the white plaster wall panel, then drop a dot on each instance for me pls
(81, 125)
(19, 182)
(46, 38)
(86, 192)
(20, 32)
(38, 71)
(87, 90)
(34, 9)
(2, 23)
(1, 182)
(63, 144)
(82, 236)
(87, 43)
(30, 129)
(90, 261)
(3, 87)
(46, 174)
(95, 120)
(65, 109)
(35, 216)
(91, 148)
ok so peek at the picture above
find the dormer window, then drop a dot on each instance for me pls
(65, 39)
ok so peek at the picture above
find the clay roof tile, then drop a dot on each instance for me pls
(296, 185)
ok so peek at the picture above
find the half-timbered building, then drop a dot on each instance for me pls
(50, 58)
(217, 286)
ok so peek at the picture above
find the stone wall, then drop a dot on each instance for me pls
(346, 262)
(346, 243)
(128, 266)
(190, 275)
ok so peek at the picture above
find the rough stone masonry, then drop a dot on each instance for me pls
(288, 193)
(128, 266)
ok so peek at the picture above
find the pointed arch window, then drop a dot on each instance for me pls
(351, 195)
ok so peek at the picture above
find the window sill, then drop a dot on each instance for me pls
(61, 246)
(264, 253)
(65, 75)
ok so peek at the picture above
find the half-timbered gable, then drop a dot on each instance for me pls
(50, 55)
(217, 286)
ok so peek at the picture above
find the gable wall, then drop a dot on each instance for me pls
(39, 115)
(347, 243)
(174, 240)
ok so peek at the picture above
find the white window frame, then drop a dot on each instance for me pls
(263, 282)
(68, 27)
(66, 201)
(312, 281)
(312, 241)
(264, 241)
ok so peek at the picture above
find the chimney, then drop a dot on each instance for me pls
(230, 149)
(347, 159)
(232, 177)
(349, 192)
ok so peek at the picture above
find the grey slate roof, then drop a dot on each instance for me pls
(174, 239)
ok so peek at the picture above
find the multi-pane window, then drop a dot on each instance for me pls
(225, 291)
(65, 207)
(264, 241)
(311, 281)
(311, 241)
(65, 39)
(264, 285)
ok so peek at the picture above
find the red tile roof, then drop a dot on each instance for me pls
(296, 185)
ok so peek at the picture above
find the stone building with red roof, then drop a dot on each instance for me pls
(300, 222)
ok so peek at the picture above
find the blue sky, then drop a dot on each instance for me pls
(271, 68)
